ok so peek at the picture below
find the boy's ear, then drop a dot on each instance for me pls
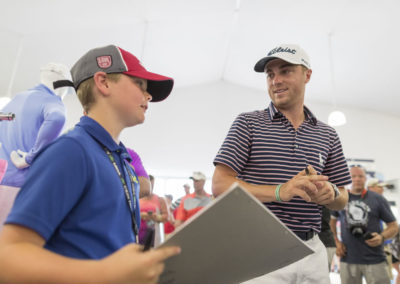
(102, 83)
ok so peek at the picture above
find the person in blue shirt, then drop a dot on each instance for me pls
(76, 218)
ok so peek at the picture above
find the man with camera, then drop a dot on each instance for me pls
(361, 244)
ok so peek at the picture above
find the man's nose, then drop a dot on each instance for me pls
(276, 80)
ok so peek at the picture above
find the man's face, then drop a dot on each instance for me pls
(198, 185)
(187, 189)
(286, 83)
(131, 99)
(358, 179)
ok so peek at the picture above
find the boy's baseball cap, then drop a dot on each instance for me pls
(291, 53)
(113, 59)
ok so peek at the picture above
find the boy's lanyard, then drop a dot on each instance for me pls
(132, 205)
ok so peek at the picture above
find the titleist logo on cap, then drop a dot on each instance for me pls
(280, 49)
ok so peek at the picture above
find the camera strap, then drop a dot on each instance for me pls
(363, 193)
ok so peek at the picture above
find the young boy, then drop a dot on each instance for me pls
(77, 216)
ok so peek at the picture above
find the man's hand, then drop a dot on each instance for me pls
(18, 159)
(303, 185)
(377, 240)
(131, 265)
(340, 249)
(325, 193)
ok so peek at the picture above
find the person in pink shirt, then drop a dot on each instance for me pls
(153, 210)
(140, 171)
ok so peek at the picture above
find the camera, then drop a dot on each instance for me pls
(358, 230)
(357, 219)
(367, 236)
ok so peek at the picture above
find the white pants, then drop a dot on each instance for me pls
(313, 269)
(7, 197)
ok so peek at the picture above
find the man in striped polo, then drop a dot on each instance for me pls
(267, 152)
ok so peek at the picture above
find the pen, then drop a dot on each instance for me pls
(149, 240)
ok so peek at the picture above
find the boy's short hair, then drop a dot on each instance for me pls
(112, 59)
(85, 91)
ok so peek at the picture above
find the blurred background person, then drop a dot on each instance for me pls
(194, 202)
(140, 171)
(175, 205)
(326, 235)
(153, 212)
(362, 237)
(169, 226)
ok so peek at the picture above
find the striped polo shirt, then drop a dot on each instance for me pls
(263, 147)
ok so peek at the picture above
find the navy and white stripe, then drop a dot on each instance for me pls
(263, 147)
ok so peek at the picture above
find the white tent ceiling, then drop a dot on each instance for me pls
(198, 42)
(214, 42)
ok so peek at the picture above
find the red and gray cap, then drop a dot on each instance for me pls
(113, 59)
(291, 53)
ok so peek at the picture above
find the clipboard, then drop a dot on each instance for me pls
(233, 239)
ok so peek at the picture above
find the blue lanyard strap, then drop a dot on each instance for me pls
(133, 180)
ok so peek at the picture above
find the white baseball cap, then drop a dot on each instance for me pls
(291, 53)
(198, 176)
(375, 182)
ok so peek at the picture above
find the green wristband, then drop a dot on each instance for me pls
(277, 195)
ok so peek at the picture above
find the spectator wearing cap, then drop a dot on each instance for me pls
(375, 185)
(193, 203)
(80, 200)
(267, 152)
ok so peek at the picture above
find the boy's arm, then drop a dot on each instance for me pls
(23, 259)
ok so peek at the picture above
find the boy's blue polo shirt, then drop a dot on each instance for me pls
(74, 198)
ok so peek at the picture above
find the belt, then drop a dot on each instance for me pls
(305, 236)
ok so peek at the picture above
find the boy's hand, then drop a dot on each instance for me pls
(131, 265)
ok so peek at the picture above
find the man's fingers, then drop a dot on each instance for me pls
(303, 195)
(315, 178)
(162, 254)
(302, 173)
(311, 170)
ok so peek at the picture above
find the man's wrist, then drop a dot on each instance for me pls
(335, 189)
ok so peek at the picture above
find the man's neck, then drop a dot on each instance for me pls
(201, 193)
(296, 116)
(356, 191)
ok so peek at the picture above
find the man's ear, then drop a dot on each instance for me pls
(102, 83)
(308, 75)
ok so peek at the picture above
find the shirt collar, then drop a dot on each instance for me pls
(275, 113)
(310, 116)
(102, 136)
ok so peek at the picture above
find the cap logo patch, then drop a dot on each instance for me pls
(104, 61)
(280, 49)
